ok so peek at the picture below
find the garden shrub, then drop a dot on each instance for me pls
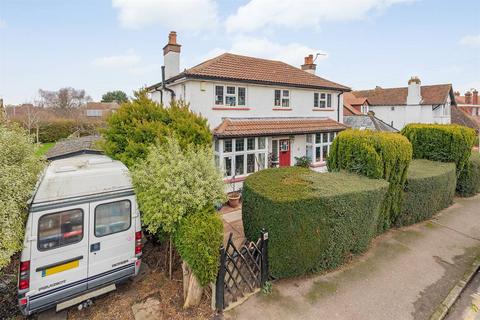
(441, 142)
(55, 130)
(19, 169)
(468, 183)
(377, 155)
(198, 239)
(430, 187)
(315, 220)
(139, 123)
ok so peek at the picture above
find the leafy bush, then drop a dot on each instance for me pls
(141, 122)
(468, 183)
(303, 161)
(53, 131)
(19, 169)
(315, 220)
(441, 142)
(172, 183)
(198, 240)
(377, 155)
(430, 188)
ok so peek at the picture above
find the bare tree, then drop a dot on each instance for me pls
(65, 100)
(32, 118)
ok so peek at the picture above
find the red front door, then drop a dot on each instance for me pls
(284, 151)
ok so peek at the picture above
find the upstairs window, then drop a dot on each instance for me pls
(230, 96)
(364, 108)
(322, 100)
(282, 98)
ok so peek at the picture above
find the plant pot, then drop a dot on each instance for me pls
(234, 199)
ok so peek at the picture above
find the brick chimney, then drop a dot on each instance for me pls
(309, 66)
(171, 56)
(414, 96)
(475, 96)
(468, 97)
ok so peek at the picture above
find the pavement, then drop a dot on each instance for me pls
(406, 274)
(467, 307)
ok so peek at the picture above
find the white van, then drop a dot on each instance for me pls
(83, 233)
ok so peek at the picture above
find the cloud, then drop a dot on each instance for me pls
(120, 61)
(181, 15)
(259, 14)
(291, 53)
(471, 40)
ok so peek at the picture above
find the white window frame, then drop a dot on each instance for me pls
(221, 155)
(322, 98)
(279, 103)
(364, 108)
(312, 143)
(226, 94)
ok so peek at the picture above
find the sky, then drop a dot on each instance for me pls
(100, 45)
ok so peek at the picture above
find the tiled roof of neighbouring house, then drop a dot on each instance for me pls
(431, 95)
(73, 146)
(369, 121)
(462, 118)
(102, 105)
(235, 67)
(249, 127)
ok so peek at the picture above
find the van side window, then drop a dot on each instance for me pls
(60, 229)
(112, 217)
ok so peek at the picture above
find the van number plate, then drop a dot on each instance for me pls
(61, 268)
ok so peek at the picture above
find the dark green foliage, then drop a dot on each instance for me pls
(141, 122)
(198, 239)
(303, 161)
(468, 183)
(117, 96)
(315, 221)
(55, 130)
(441, 142)
(430, 188)
(377, 155)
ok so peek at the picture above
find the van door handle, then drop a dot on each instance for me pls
(95, 247)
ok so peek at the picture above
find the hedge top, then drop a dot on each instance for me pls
(294, 183)
(421, 169)
(441, 142)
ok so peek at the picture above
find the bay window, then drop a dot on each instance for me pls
(318, 145)
(230, 96)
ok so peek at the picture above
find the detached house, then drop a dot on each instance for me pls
(262, 112)
(401, 106)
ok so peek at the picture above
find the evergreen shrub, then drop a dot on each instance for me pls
(315, 220)
(468, 183)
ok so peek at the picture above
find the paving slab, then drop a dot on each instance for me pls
(406, 274)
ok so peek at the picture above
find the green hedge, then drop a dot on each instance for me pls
(441, 142)
(198, 239)
(468, 183)
(430, 187)
(315, 221)
(55, 130)
(375, 155)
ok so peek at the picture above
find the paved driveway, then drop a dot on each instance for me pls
(404, 275)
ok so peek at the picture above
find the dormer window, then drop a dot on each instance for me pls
(282, 98)
(364, 108)
(322, 100)
(230, 96)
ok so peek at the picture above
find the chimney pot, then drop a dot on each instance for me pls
(172, 37)
(309, 66)
(475, 96)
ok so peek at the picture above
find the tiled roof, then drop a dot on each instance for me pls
(249, 127)
(367, 122)
(68, 147)
(235, 67)
(348, 110)
(102, 105)
(462, 118)
(349, 101)
(431, 95)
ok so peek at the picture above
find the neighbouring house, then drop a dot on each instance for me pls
(469, 102)
(461, 117)
(262, 112)
(354, 106)
(100, 109)
(413, 104)
(367, 121)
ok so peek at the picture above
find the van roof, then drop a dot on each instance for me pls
(81, 175)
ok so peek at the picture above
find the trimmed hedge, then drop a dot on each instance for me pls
(55, 130)
(315, 221)
(468, 183)
(441, 142)
(198, 238)
(376, 155)
(430, 187)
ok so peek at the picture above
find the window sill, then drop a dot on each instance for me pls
(322, 109)
(318, 164)
(282, 109)
(234, 180)
(230, 108)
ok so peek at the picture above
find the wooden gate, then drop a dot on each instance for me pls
(242, 270)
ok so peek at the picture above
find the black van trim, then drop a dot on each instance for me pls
(36, 207)
(39, 295)
(58, 263)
